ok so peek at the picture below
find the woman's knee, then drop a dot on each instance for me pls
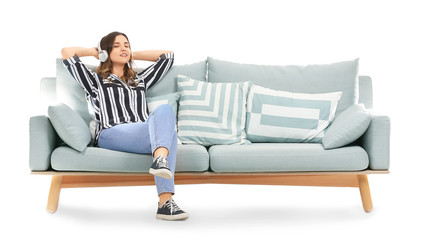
(165, 110)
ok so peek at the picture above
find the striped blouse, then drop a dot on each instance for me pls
(115, 102)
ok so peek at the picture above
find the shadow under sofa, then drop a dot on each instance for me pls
(291, 164)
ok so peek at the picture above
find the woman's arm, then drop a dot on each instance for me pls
(152, 74)
(79, 51)
(149, 55)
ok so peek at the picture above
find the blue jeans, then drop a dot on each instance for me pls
(146, 137)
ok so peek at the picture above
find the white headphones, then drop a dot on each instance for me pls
(102, 54)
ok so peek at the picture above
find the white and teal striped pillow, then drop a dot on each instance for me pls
(277, 116)
(211, 113)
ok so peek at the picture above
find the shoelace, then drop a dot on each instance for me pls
(172, 206)
(161, 162)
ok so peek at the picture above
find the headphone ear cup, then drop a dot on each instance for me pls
(103, 55)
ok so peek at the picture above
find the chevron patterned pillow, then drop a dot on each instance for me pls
(211, 113)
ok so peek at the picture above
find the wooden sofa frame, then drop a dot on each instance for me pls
(356, 179)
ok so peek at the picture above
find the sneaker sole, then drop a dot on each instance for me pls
(181, 216)
(164, 173)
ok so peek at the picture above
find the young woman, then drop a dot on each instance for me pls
(117, 94)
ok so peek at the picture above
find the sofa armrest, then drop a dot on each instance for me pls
(376, 141)
(43, 140)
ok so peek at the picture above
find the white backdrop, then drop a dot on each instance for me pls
(392, 39)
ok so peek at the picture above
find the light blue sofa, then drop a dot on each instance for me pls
(271, 163)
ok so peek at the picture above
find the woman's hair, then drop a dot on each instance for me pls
(106, 68)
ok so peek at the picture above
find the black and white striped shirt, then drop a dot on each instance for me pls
(115, 102)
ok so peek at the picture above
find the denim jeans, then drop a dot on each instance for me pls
(146, 137)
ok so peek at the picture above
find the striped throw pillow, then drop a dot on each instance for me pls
(277, 116)
(211, 113)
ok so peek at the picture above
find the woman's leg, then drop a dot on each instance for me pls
(164, 141)
(133, 138)
(157, 132)
(164, 185)
(156, 135)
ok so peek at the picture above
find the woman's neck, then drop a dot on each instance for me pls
(118, 69)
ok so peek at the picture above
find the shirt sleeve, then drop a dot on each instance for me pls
(156, 71)
(84, 76)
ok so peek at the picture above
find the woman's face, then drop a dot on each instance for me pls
(120, 53)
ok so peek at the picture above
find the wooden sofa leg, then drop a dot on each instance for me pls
(54, 195)
(364, 189)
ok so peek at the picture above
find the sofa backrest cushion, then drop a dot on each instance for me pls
(324, 78)
(168, 84)
(69, 92)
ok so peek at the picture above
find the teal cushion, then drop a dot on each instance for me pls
(168, 83)
(318, 78)
(189, 158)
(286, 157)
(211, 113)
(71, 93)
(70, 127)
(347, 127)
(279, 116)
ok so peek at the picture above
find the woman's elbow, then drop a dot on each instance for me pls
(67, 53)
(169, 54)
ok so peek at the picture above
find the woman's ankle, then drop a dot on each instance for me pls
(163, 197)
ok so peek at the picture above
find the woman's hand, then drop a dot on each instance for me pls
(149, 55)
(79, 51)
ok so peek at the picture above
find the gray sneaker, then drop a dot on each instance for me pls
(160, 168)
(170, 211)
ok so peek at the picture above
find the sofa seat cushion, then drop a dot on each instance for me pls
(286, 157)
(189, 158)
